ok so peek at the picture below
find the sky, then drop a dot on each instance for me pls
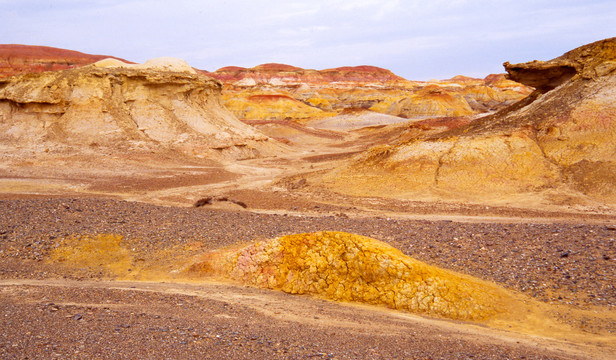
(416, 39)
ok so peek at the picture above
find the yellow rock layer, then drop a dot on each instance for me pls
(481, 166)
(432, 101)
(270, 106)
(316, 102)
(347, 267)
(104, 251)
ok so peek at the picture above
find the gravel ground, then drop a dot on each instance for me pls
(100, 323)
(560, 263)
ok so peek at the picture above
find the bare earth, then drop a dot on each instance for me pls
(53, 311)
(562, 257)
(102, 169)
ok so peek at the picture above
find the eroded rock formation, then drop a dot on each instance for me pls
(431, 101)
(114, 104)
(588, 61)
(560, 142)
(346, 267)
(20, 59)
(284, 92)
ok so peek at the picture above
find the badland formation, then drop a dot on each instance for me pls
(281, 212)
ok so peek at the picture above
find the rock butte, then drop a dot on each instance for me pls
(163, 102)
(347, 267)
(558, 143)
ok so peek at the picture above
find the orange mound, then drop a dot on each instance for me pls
(348, 267)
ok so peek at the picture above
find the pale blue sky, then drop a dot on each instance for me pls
(418, 40)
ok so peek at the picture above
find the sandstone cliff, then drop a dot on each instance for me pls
(558, 143)
(162, 102)
(18, 59)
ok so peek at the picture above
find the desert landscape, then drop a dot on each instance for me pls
(157, 210)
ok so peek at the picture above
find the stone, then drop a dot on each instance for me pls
(285, 92)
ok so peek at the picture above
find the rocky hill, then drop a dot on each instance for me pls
(279, 92)
(557, 145)
(112, 104)
(285, 92)
(19, 59)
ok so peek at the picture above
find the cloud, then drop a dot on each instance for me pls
(416, 39)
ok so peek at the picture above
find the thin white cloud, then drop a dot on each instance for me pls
(414, 38)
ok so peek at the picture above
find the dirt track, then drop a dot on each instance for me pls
(103, 320)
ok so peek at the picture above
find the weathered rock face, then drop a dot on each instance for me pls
(261, 105)
(544, 76)
(346, 267)
(563, 140)
(285, 92)
(299, 94)
(289, 76)
(20, 59)
(111, 103)
(431, 101)
(589, 62)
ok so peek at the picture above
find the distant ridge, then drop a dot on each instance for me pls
(18, 59)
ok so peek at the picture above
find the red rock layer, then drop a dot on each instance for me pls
(18, 59)
(291, 75)
(278, 91)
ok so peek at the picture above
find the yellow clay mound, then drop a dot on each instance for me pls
(347, 267)
(112, 256)
(103, 251)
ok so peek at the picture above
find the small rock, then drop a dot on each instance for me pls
(77, 317)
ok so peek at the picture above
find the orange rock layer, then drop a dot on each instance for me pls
(347, 267)
(325, 93)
